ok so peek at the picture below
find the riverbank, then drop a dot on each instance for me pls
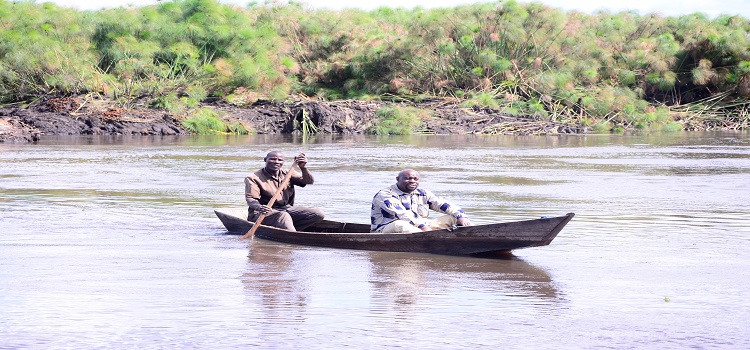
(85, 115)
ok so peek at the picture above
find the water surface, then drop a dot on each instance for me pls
(111, 242)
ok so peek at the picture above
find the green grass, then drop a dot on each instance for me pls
(206, 121)
(568, 65)
(394, 120)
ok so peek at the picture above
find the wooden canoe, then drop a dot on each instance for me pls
(469, 240)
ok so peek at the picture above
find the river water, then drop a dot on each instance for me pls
(111, 242)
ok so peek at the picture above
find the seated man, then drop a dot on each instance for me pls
(402, 208)
(261, 186)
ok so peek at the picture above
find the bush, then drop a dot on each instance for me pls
(483, 99)
(179, 52)
(672, 127)
(397, 120)
(603, 127)
(205, 121)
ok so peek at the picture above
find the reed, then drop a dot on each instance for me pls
(520, 58)
(305, 124)
(205, 121)
(396, 120)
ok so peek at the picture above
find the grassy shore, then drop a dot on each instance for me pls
(607, 72)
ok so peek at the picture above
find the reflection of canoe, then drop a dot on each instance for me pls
(480, 239)
(510, 276)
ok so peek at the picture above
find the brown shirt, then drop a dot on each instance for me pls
(262, 185)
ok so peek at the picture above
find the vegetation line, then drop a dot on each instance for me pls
(604, 72)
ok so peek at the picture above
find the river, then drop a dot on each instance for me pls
(111, 242)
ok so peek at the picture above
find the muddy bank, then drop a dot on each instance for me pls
(90, 116)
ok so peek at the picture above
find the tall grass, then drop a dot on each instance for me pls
(206, 121)
(396, 120)
(523, 58)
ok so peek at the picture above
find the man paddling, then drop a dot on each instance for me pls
(261, 186)
(404, 208)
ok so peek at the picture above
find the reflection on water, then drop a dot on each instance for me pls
(274, 272)
(304, 285)
(112, 242)
(402, 277)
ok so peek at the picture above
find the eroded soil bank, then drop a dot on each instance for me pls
(87, 116)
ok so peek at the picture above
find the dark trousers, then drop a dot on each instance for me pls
(291, 218)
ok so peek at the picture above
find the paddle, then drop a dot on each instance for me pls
(270, 203)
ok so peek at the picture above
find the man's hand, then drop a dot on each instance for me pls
(301, 160)
(464, 222)
(264, 209)
(307, 177)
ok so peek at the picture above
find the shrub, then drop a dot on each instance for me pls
(180, 52)
(205, 121)
(672, 127)
(482, 99)
(603, 127)
(394, 120)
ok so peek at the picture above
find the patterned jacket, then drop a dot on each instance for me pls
(391, 204)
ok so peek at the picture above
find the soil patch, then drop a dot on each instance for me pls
(84, 115)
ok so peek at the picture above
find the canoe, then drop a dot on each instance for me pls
(470, 240)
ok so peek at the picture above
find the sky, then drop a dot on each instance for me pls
(711, 8)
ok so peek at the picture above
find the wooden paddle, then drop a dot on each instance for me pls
(270, 203)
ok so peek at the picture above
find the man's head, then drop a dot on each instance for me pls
(274, 161)
(407, 180)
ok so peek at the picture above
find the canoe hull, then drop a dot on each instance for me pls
(470, 240)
